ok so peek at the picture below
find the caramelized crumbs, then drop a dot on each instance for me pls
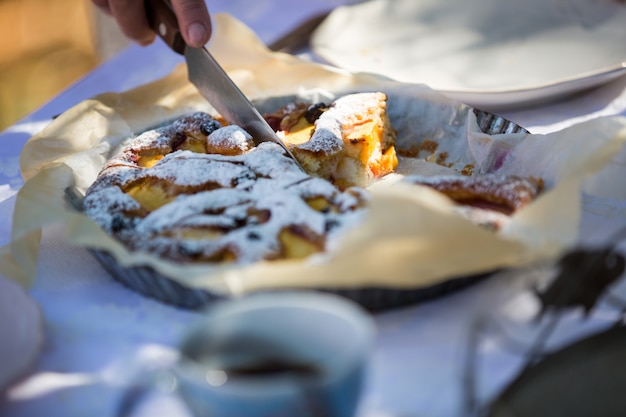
(427, 145)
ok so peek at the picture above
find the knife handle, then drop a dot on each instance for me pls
(162, 20)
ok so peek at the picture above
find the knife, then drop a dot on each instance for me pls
(210, 78)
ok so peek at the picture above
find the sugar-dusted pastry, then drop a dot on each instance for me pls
(197, 191)
(349, 142)
(489, 199)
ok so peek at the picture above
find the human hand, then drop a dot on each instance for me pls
(193, 20)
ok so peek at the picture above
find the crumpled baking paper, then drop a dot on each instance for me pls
(411, 238)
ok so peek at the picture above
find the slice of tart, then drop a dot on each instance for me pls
(349, 142)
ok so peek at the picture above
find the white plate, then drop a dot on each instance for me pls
(21, 335)
(487, 53)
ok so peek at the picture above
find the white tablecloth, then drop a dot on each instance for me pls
(99, 334)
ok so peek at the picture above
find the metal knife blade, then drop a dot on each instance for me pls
(223, 94)
(210, 79)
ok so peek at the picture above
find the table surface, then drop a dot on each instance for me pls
(99, 335)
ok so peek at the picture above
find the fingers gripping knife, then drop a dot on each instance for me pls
(210, 79)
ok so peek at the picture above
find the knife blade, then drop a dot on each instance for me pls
(210, 79)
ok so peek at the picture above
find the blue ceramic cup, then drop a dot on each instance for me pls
(281, 354)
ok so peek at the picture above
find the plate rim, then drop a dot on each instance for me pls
(515, 98)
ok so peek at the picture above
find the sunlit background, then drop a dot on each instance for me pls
(45, 46)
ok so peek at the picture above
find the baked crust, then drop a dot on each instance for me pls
(488, 200)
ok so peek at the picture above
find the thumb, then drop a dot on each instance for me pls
(194, 21)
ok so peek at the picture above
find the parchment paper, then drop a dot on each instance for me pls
(411, 237)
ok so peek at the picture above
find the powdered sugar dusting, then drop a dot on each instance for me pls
(512, 192)
(165, 138)
(194, 169)
(231, 138)
(238, 204)
(345, 111)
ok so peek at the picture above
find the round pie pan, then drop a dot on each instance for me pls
(150, 283)
(146, 281)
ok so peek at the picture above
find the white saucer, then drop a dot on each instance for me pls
(21, 330)
(487, 53)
